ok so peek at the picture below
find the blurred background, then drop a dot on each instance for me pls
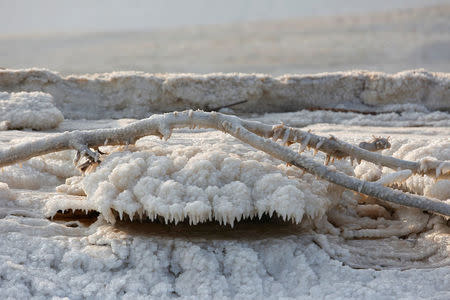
(204, 36)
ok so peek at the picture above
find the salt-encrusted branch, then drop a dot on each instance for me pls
(248, 132)
(340, 149)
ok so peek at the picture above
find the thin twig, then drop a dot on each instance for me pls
(226, 106)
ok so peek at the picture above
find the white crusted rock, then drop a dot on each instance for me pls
(33, 110)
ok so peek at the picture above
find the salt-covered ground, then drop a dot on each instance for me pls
(263, 229)
(310, 258)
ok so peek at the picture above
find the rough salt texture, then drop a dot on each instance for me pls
(34, 110)
(42, 258)
(413, 150)
(399, 115)
(137, 94)
(5, 192)
(40, 172)
(223, 181)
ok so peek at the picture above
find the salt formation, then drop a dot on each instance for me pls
(199, 184)
(419, 150)
(5, 192)
(251, 133)
(40, 172)
(404, 115)
(137, 94)
(205, 175)
(35, 110)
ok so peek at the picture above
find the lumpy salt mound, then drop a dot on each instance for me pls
(5, 192)
(33, 110)
(221, 181)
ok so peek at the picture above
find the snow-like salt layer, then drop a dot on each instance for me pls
(400, 116)
(210, 176)
(137, 94)
(34, 110)
(221, 180)
(129, 263)
(5, 192)
(40, 172)
(67, 258)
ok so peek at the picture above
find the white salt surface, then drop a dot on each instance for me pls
(41, 258)
(138, 94)
(35, 110)
(406, 116)
(333, 244)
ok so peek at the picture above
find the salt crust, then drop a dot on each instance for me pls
(223, 181)
(137, 94)
(33, 110)
(45, 259)
(404, 115)
(414, 150)
(40, 172)
(5, 192)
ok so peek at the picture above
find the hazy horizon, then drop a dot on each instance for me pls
(53, 16)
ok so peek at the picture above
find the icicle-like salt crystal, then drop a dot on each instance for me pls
(276, 134)
(260, 214)
(320, 143)
(396, 177)
(286, 135)
(443, 168)
(360, 187)
(165, 131)
(304, 143)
